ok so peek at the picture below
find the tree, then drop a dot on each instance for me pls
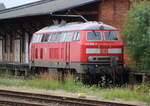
(136, 33)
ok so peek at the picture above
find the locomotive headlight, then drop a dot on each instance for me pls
(93, 50)
(115, 50)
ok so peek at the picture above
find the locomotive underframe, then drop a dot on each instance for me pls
(92, 71)
(89, 67)
(114, 74)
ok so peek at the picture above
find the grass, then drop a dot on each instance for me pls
(11, 82)
(125, 94)
(69, 85)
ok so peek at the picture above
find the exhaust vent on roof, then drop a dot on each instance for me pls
(2, 6)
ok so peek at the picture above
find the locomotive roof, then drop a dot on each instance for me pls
(91, 25)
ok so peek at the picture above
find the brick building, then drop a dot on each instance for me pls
(113, 12)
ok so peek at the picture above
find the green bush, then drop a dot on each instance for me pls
(136, 33)
(143, 88)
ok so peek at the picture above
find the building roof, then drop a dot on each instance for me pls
(42, 7)
(91, 25)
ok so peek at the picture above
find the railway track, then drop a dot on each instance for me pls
(18, 103)
(31, 99)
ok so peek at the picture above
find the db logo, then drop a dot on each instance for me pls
(104, 51)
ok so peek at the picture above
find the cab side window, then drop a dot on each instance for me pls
(45, 38)
(53, 39)
(76, 36)
(36, 38)
(57, 37)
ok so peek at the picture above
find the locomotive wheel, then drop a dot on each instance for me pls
(113, 76)
(107, 78)
(119, 76)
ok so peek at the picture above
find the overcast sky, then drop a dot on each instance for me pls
(13, 3)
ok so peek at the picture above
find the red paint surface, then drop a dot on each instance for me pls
(74, 51)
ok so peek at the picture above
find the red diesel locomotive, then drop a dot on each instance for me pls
(93, 49)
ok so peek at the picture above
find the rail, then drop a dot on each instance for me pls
(45, 100)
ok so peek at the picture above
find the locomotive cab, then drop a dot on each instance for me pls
(102, 54)
(103, 46)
